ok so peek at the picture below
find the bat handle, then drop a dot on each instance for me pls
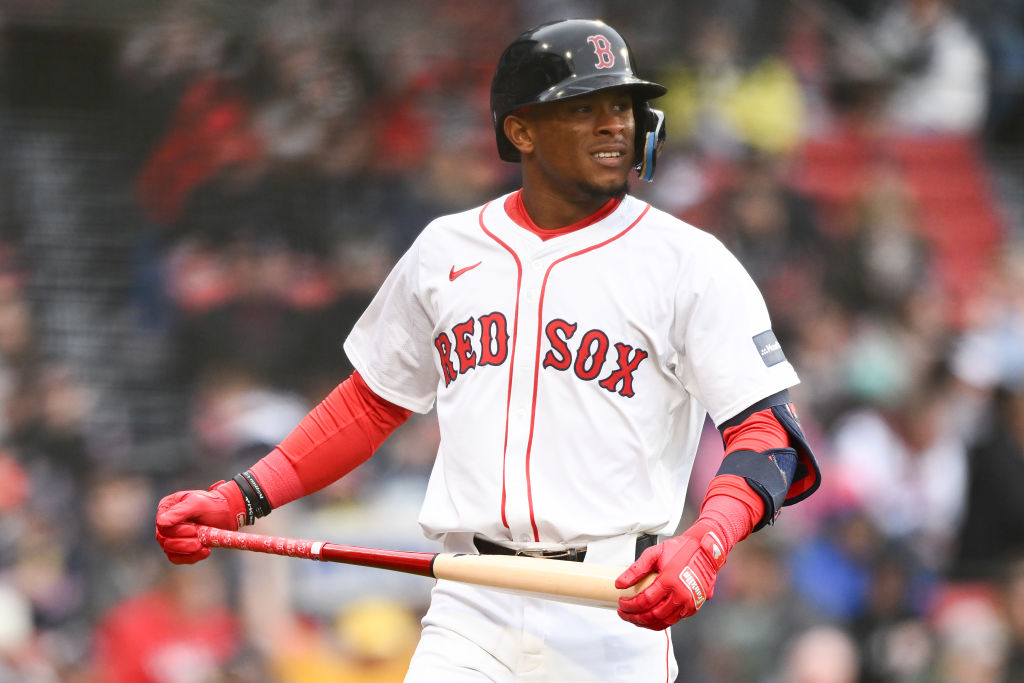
(212, 537)
(640, 586)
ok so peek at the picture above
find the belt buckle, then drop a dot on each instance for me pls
(571, 554)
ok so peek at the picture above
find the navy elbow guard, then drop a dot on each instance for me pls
(781, 476)
(769, 473)
(807, 477)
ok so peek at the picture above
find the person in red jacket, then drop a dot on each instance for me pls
(181, 629)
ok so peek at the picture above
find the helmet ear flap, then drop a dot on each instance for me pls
(650, 138)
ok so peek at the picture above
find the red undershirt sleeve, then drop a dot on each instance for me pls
(334, 438)
(761, 431)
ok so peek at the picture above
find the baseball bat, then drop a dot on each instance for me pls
(561, 580)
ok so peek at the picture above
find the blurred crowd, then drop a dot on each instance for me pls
(863, 158)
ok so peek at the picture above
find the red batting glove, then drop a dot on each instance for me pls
(687, 566)
(177, 515)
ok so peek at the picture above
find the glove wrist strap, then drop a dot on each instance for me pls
(256, 503)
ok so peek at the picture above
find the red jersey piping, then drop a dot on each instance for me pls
(668, 656)
(512, 355)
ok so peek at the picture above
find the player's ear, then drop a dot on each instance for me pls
(517, 130)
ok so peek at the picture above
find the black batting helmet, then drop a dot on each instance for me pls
(562, 59)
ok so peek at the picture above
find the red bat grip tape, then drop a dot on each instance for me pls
(275, 545)
(406, 561)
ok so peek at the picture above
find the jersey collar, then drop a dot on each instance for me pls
(516, 210)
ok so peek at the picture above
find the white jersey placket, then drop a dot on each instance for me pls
(519, 511)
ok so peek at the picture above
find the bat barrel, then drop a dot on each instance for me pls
(574, 582)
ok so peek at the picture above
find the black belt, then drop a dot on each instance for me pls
(643, 542)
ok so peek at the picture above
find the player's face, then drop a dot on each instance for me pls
(583, 146)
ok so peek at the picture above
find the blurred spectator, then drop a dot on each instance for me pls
(354, 273)
(158, 60)
(180, 630)
(894, 642)
(743, 634)
(880, 260)
(832, 570)
(210, 134)
(723, 100)
(1013, 599)
(463, 170)
(805, 46)
(18, 348)
(772, 229)
(45, 571)
(22, 656)
(906, 469)
(824, 654)
(237, 414)
(369, 641)
(1001, 26)
(255, 327)
(818, 346)
(309, 109)
(990, 350)
(14, 483)
(115, 520)
(972, 638)
(938, 68)
(885, 362)
(992, 533)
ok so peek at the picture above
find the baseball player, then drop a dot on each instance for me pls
(573, 338)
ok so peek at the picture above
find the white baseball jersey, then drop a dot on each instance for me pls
(571, 375)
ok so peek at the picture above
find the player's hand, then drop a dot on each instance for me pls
(177, 515)
(687, 566)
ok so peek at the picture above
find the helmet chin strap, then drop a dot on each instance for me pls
(654, 140)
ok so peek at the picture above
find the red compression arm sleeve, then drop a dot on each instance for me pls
(730, 501)
(733, 507)
(337, 436)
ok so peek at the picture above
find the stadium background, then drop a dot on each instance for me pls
(197, 198)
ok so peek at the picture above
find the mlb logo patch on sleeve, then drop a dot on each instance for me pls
(768, 348)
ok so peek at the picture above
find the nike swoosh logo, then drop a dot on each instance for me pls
(456, 273)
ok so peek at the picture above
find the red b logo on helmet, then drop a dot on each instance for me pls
(603, 50)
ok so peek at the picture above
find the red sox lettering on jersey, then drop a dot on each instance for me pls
(484, 340)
